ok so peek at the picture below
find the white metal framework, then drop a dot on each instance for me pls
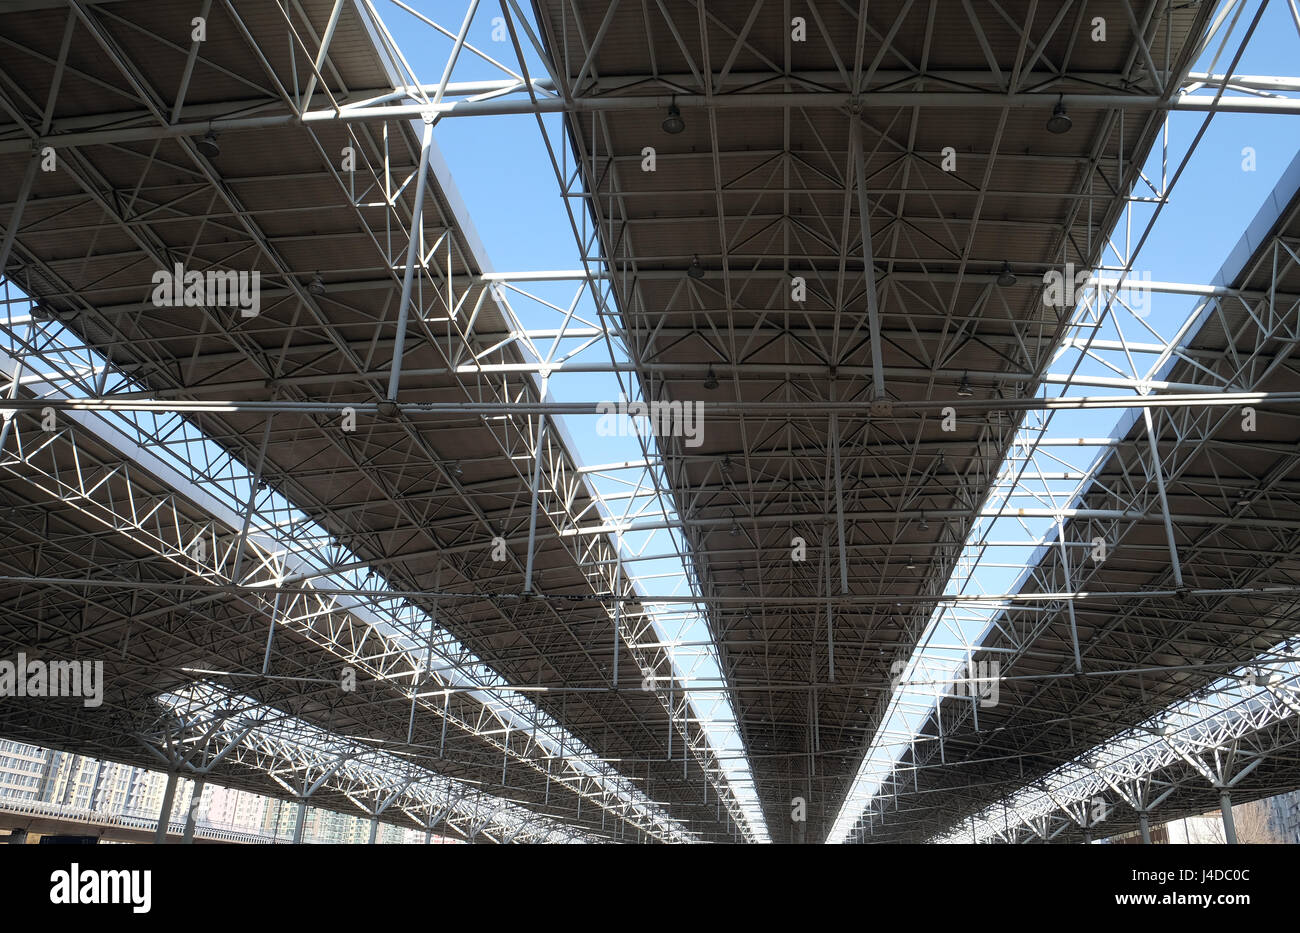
(838, 254)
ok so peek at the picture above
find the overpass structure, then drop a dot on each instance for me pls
(334, 538)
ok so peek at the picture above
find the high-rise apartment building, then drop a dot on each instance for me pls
(31, 773)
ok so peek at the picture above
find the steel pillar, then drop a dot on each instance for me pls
(165, 812)
(192, 815)
(1225, 807)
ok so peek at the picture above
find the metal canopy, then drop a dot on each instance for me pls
(828, 223)
(419, 505)
(811, 173)
(1222, 586)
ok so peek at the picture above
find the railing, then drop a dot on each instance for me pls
(128, 820)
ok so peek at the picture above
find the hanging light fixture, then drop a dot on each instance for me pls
(208, 145)
(317, 285)
(1059, 122)
(711, 380)
(695, 270)
(1006, 278)
(673, 123)
(964, 390)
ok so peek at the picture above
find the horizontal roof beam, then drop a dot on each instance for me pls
(956, 100)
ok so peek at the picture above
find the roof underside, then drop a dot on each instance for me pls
(419, 503)
(760, 186)
(1234, 505)
(824, 238)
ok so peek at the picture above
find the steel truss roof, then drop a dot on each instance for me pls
(418, 506)
(821, 160)
(1199, 577)
(341, 771)
(1236, 736)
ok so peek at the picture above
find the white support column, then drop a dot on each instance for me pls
(1225, 808)
(192, 814)
(165, 811)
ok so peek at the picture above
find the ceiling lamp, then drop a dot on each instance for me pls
(911, 564)
(455, 470)
(1165, 729)
(1059, 122)
(208, 145)
(673, 123)
(925, 524)
(964, 390)
(695, 270)
(735, 528)
(317, 285)
(1006, 278)
(711, 380)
